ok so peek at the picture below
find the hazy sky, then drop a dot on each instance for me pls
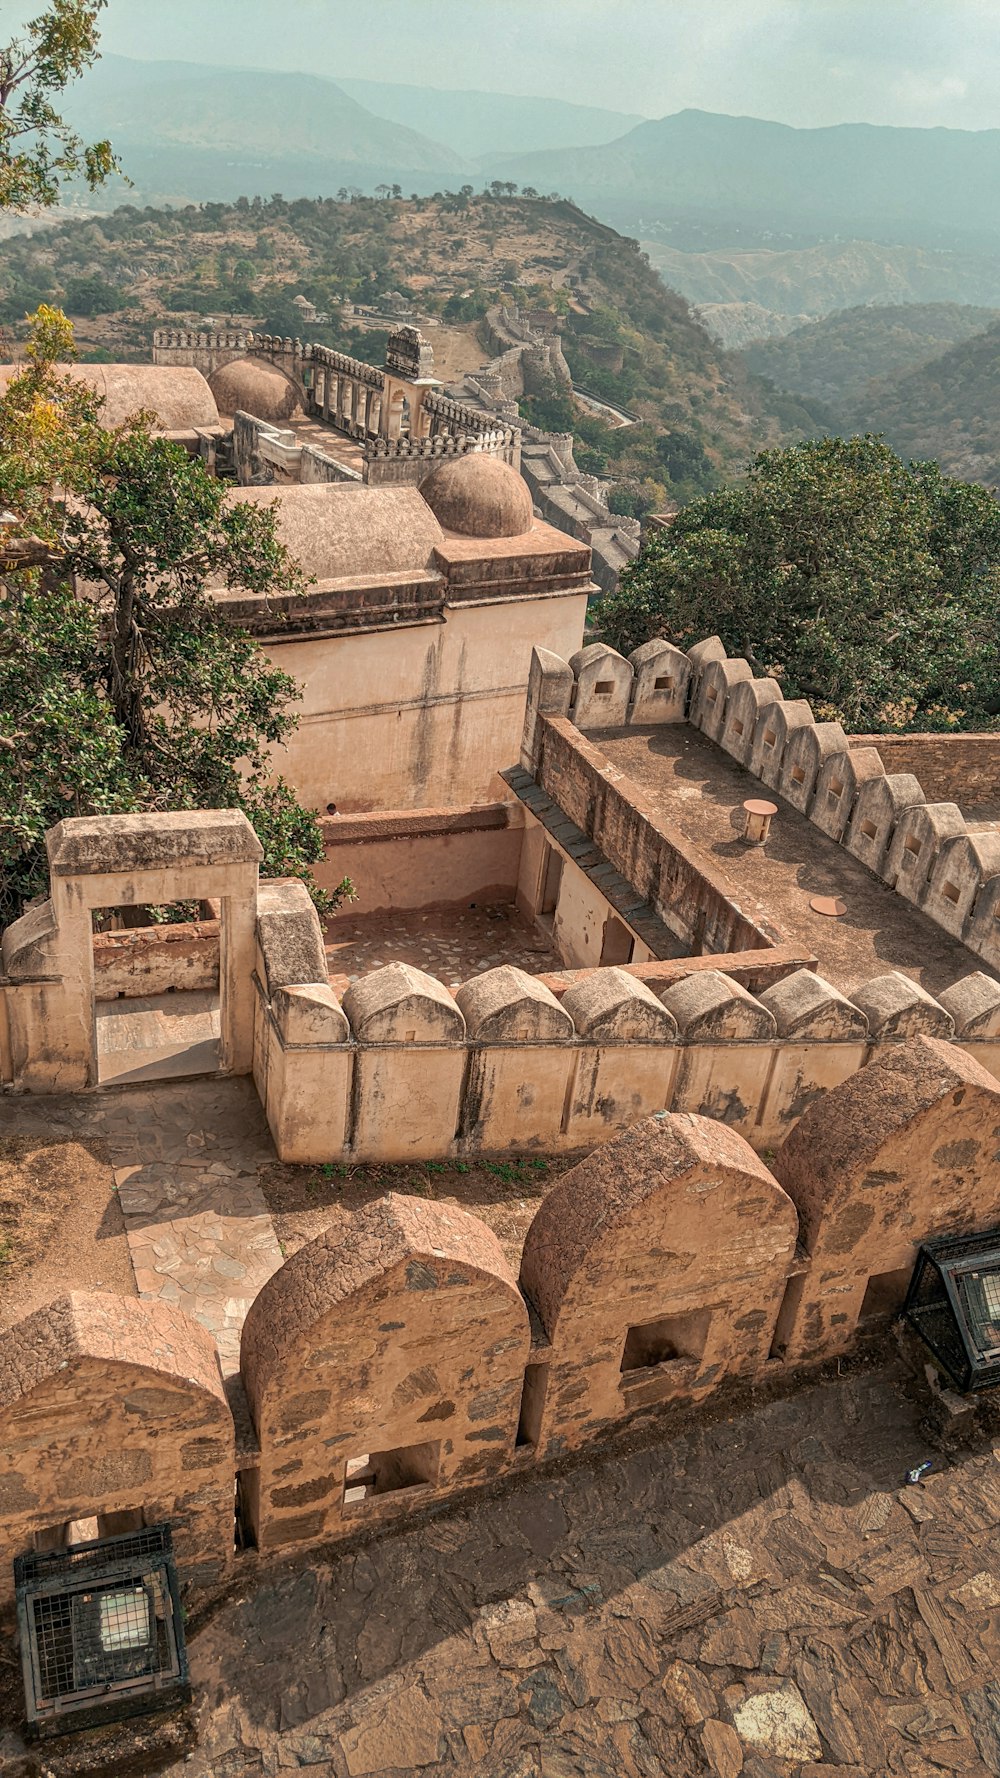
(922, 62)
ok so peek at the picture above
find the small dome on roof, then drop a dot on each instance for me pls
(479, 496)
(251, 386)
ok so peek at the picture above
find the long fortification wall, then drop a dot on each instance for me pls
(401, 1357)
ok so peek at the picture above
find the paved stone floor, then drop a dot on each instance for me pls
(451, 944)
(185, 1159)
(752, 1594)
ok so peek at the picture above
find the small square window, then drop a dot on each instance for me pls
(671, 1339)
(712, 693)
(737, 727)
(387, 1472)
(912, 844)
(770, 737)
(798, 775)
(604, 687)
(664, 683)
(869, 830)
(836, 788)
(951, 892)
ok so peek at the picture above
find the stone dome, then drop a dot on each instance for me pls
(251, 386)
(479, 496)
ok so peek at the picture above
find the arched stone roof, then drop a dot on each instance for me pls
(179, 397)
(149, 1337)
(252, 386)
(693, 1164)
(479, 496)
(427, 1239)
(338, 531)
(916, 1125)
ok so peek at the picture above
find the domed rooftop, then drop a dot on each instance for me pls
(250, 386)
(178, 397)
(479, 496)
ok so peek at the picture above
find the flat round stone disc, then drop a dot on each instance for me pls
(830, 905)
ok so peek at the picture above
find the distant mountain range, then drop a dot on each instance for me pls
(186, 132)
(834, 361)
(809, 282)
(474, 124)
(773, 221)
(933, 188)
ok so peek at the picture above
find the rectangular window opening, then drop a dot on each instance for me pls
(712, 693)
(664, 683)
(770, 737)
(389, 1472)
(869, 830)
(529, 1425)
(884, 1298)
(836, 789)
(798, 775)
(737, 727)
(671, 1339)
(951, 892)
(912, 845)
(604, 687)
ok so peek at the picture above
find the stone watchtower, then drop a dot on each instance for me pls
(408, 380)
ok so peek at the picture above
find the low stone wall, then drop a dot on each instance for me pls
(951, 768)
(925, 850)
(154, 959)
(404, 1070)
(424, 858)
(681, 884)
(401, 1358)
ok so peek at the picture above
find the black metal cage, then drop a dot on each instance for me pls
(953, 1303)
(101, 1631)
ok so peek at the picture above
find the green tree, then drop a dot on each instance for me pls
(38, 150)
(869, 586)
(174, 706)
(93, 296)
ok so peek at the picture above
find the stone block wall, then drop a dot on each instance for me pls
(398, 1359)
(114, 1409)
(517, 1063)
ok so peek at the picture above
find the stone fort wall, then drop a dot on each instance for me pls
(409, 1358)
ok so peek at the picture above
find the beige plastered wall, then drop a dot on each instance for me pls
(423, 714)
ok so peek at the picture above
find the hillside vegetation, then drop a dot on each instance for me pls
(948, 408)
(834, 360)
(629, 340)
(810, 282)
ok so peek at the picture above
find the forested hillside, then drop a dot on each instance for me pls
(948, 409)
(834, 360)
(627, 337)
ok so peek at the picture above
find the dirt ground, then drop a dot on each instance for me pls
(61, 1226)
(504, 1193)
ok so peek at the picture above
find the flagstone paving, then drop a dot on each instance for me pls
(185, 1157)
(751, 1594)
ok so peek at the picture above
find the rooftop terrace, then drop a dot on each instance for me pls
(696, 787)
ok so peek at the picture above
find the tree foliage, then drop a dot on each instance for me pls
(866, 585)
(38, 150)
(122, 684)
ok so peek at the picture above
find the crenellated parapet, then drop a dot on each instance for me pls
(926, 851)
